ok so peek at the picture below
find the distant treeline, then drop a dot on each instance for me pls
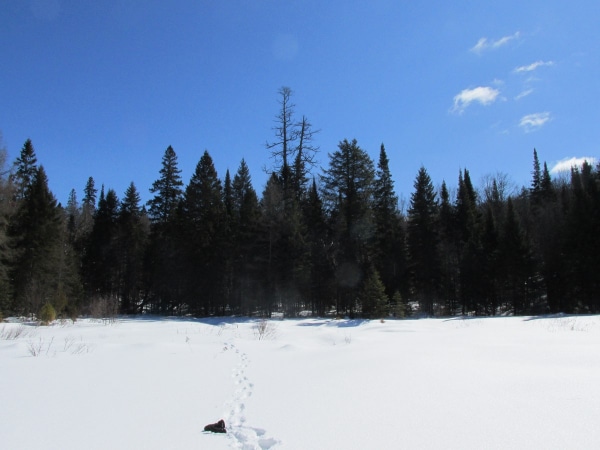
(333, 242)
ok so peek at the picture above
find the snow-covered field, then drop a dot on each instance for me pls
(153, 383)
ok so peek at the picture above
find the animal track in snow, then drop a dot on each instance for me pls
(242, 436)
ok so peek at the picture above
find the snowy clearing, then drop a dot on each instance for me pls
(153, 383)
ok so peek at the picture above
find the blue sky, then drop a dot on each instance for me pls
(102, 88)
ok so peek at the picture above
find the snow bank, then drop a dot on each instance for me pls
(153, 383)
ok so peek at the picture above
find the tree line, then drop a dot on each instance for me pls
(333, 242)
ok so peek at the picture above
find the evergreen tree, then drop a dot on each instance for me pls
(7, 210)
(246, 216)
(25, 170)
(101, 262)
(546, 186)
(582, 244)
(489, 270)
(132, 236)
(36, 230)
(515, 267)
(422, 241)
(167, 189)
(536, 182)
(164, 274)
(348, 187)
(203, 221)
(374, 300)
(390, 254)
(88, 209)
(449, 252)
(471, 257)
(321, 260)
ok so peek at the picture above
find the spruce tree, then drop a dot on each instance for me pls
(164, 274)
(36, 230)
(131, 241)
(25, 170)
(422, 240)
(101, 268)
(389, 242)
(448, 251)
(374, 300)
(246, 216)
(515, 267)
(321, 264)
(348, 186)
(167, 189)
(203, 219)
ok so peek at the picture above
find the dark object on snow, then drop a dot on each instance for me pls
(218, 427)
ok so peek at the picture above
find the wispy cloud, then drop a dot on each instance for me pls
(482, 94)
(484, 43)
(531, 67)
(532, 122)
(565, 165)
(524, 94)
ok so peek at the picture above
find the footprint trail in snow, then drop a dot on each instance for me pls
(242, 436)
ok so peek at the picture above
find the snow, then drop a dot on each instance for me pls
(153, 383)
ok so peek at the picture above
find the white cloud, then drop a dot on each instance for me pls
(532, 122)
(531, 67)
(482, 94)
(524, 94)
(484, 44)
(565, 165)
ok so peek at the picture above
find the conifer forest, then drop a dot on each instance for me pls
(329, 240)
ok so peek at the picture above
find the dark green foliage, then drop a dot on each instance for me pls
(422, 242)
(25, 170)
(348, 186)
(132, 234)
(7, 209)
(515, 263)
(202, 220)
(389, 240)
(244, 287)
(374, 300)
(101, 261)
(163, 260)
(338, 244)
(36, 231)
(167, 189)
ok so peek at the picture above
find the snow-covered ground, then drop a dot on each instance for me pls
(153, 383)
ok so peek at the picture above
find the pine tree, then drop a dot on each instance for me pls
(390, 254)
(582, 244)
(167, 189)
(348, 187)
(88, 209)
(36, 230)
(448, 251)
(164, 274)
(25, 170)
(374, 300)
(203, 220)
(321, 261)
(131, 241)
(246, 216)
(100, 265)
(7, 210)
(536, 181)
(422, 240)
(470, 252)
(515, 263)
